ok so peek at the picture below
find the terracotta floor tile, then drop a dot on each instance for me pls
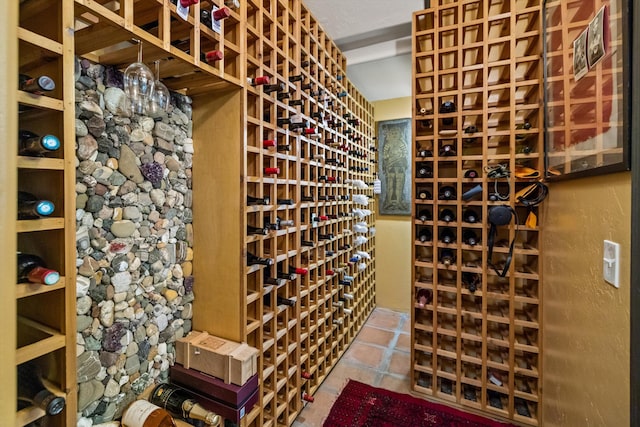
(375, 336)
(364, 354)
(394, 383)
(406, 326)
(385, 319)
(315, 413)
(345, 371)
(400, 363)
(403, 343)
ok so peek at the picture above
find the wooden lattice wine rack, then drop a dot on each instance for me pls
(308, 219)
(477, 85)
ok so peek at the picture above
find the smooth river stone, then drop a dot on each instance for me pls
(121, 281)
(127, 165)
(123, 228)
(88, 393)
(88, 366)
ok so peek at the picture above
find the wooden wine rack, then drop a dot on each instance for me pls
(231, 118)
(479, 349)
(304, 340)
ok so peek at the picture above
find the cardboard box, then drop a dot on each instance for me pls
(230, 361)
(213, 387)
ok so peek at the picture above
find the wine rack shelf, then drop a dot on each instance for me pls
(477, 89)
(302, 324)
(46, 338)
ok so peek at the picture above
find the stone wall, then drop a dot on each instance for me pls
(134, 243)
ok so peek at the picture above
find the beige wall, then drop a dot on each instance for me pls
(586, 340)
(393, 233)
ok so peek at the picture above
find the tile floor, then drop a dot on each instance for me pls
(379, 356)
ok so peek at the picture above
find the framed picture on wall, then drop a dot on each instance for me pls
(587, 87)
(394, 145)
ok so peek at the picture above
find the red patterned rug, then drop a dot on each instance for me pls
(360, 405)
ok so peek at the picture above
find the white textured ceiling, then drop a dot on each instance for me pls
(374, 35)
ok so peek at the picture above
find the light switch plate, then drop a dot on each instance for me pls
(611, 263)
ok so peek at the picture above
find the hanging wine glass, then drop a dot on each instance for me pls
(160, 96)
(138, 83)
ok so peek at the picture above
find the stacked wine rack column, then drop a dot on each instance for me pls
(46, 314)
(477, 82)
(304, 308)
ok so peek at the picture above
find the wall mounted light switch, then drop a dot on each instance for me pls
(611, 263)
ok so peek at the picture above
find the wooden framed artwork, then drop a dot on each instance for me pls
(587, 87)
(394, 143)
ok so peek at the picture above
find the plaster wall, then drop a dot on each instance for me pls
(393, 233)
(586, 329)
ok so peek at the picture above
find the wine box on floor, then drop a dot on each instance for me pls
(213, 387)
(230, 361)
(226, 410)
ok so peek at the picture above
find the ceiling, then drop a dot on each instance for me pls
(375, 37)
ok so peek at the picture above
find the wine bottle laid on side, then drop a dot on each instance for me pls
(31, 207)
(181, 403)
(447, 236)
(447, 257)
(447, 215)
(470, 237)
(32, 268)
(32, 391)
(424, 235)
(470, 216)
(256, 260)
(36, 85)
(142, 413)
(31, 144)
(257, 200)
(424, 215)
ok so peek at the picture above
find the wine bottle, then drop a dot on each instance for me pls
(424, 235)
(470, 238)
(307, 397)
(447, 257)
(141, 413)
(342, 94)
(447, 192)
(251, 230)
(297, 78)
(328, 236)
(470, 216)
(235, 4)
(271, 171)
(424, 297)
(447, 150)
(31, 390)
(32, 268)
(283, 95)
(256, 260)
(424, 194)
(286, 301)
(298, 271)
(258, 81)
(424, 215)
(211, 56)
(447, 215)
(286, 222)
(258, 200)
(447, 107)
(31, 207)
(287, 202)
(423, 170)
(447, 236)
(221, 14)
(38, 85)
(471, 173)
(285, 276)
(283, 147)
(307, 198)
(180, 402)
(424, 153)
(278, 87)
(267, 143)
(31, 144)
